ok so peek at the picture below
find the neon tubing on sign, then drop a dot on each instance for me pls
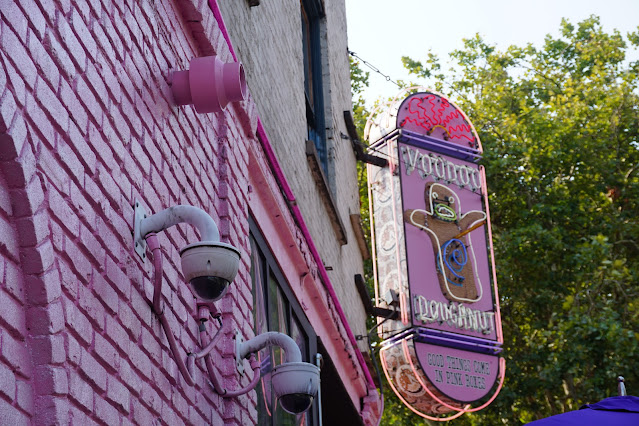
(402, 296)
(419, 413)
(500, 334)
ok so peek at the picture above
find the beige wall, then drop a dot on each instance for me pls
(268, 41)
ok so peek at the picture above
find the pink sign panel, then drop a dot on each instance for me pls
(445, 225)
(461, 375)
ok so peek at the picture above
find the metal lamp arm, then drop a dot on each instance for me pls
(181, 214)
(270, 338)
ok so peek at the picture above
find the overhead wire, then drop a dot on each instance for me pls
(374, 68)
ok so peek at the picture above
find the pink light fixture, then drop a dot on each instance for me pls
(209, 84)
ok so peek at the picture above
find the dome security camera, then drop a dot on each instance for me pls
(209, 267)
(295, 384)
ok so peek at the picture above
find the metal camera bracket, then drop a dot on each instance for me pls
(139, 215)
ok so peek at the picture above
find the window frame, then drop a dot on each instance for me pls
(311, 15)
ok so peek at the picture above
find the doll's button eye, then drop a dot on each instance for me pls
(451, 200)
(435, 195)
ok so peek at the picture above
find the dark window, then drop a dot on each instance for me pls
(275, 309)
(312, 13)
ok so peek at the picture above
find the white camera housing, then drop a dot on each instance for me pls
(209, 267)
(295, 384)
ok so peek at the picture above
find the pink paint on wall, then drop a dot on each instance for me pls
(87, 124)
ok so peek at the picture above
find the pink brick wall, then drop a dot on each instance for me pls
(86, 126)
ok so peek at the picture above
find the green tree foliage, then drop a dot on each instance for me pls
(560, 130)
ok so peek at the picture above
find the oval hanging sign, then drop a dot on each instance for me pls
(434, 262)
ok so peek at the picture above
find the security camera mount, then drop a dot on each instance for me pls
(295, 383)
(209, 259)
(138, 239)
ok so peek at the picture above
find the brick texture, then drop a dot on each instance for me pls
(87, 126)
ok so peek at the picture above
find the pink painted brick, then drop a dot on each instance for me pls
(82, 148)
(78, 322)
(140, 361)
(10, 415)
(81, 391)
(12, 314)
(89, 100)
(52, 380)
(150, 345)
(7, 382)
(35, 17)
(104, 43)
(118, 394)
(19, 56)
(24, 396)
(18, 173)
(50, 103)
(105, 293)
(123, 182)
(151, 398)
(102, 148)
(169, 416)
(17, 84)
(78, 415)
(92, 371)
(132, 116)
(33, 229)
(13, 280)
(117, 334)
(71, 43)
(83, 208)
(83, 33)
(45, 320)
(106, 412)
(46, 349)
(130, 378)
(91, 306)
(53, 175)
(69, 281)
(69, 159)
(109, 186)
(59, 55)
(61, 210)
(140, 156)
(45, 288)
(91, 245)
(8, 240)
(41, 57)
(106, 353)
(117, 144)
(96, 81)
(114, 274)
(129, 320)
(8, 110)
(76, 111)
(141, 415)
(80, 263)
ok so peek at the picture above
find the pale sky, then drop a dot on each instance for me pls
(382, 31)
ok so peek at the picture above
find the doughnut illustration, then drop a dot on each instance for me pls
(449, 230)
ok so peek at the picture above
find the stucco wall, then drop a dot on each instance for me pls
(88, 126)
(260, 36)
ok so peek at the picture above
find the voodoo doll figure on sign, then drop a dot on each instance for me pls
(449, 230)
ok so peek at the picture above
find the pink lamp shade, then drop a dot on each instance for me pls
(209, 84)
